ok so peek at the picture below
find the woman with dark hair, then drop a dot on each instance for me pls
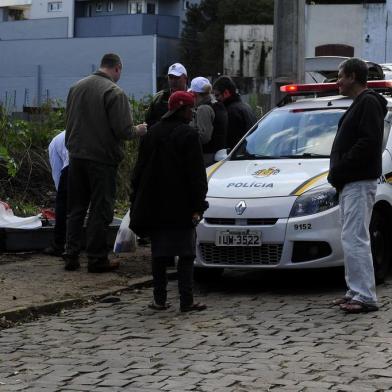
(168, 199)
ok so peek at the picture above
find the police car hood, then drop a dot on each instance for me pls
(266, 178)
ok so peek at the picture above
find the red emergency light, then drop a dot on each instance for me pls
(298, 89)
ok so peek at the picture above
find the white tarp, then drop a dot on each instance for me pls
(9, 220)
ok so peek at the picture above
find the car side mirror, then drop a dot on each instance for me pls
(221, 155)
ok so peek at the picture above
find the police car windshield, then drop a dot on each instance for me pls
(307, 133)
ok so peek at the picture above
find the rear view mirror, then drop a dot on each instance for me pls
(221, 155)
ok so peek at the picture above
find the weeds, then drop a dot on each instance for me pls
(25, 175)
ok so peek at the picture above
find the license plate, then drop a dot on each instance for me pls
(238, 238)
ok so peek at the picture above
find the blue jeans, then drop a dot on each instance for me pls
(356, 204)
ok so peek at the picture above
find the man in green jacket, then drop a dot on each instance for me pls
(98, 121)
(177, 79)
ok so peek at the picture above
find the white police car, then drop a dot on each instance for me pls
(270, 203)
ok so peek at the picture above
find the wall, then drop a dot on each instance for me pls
(34, 29)
(167, 54)
(329, 24)
(64, 61)
(374, 33)
(141, 24)
(248, 50)
(39, 10)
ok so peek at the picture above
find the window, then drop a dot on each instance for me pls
(151, 8)
(110, 6)
(288, 133)
(135, 7)
(186, 4)
(55, 6)
(99, 7)
(88, 10)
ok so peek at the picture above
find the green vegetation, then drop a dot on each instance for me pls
(25, 175)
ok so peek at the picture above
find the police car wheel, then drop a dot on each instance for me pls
(201, 274)
(381, 244)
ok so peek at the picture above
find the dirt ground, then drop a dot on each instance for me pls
(31, 279)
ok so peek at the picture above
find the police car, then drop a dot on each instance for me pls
(270, 203)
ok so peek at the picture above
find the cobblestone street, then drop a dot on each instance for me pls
(261, 332)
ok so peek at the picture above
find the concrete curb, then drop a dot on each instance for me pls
(10, 317)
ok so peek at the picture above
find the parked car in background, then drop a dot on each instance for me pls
(387, 69)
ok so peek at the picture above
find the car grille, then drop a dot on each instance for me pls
(250, 222)
(220, 221)
(267, 254)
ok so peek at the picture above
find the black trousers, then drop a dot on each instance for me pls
(60, 227)
(90, 184)
(185, 279)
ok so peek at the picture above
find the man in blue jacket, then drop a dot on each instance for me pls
(355, 165)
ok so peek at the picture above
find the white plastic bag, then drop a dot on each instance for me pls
(9, 220)
(126, 238)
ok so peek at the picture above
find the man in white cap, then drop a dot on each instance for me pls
(177, 79)
(210, 119)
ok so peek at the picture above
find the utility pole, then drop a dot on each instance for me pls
(288, 46)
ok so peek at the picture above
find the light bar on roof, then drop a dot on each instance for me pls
(298, 89)
(308, 88)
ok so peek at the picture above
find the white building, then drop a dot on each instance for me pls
(362, 29)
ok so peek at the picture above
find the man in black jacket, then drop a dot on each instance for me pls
(169, 188)
(355, 165)
(240, 115)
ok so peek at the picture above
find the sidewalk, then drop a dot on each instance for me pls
(33, 283)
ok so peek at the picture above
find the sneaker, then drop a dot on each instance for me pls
(194, 307)
(156, 306)
(71, 262)
(99, 266)
(53, 251)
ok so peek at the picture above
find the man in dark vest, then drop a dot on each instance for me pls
(210, 119)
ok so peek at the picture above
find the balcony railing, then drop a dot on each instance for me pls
(34, 29)
(123, 25)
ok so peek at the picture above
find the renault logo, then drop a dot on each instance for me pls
(240, 207)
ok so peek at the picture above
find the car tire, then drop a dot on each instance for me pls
(202, 274)
(381, 244)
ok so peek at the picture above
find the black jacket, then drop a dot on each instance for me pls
(240, 119)
(169, 182)
(219, 134)
(357, 149)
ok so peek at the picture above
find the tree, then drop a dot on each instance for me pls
(202, 39)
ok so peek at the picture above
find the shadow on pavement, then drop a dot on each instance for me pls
(291, 282)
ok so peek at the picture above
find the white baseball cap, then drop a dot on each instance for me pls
(177, 69)
(200, 85)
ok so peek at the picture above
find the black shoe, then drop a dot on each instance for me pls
(101, 266)
(71, 262)
(53, 251)
(194, 307)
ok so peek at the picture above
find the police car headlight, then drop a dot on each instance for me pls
(315, 201)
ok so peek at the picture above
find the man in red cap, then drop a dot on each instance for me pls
(168, 199)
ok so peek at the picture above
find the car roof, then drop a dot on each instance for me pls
(335, 101)
(330, 102)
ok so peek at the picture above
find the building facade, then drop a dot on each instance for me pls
(46, 46)
(359, 28)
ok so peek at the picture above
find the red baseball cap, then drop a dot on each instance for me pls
(178, 100)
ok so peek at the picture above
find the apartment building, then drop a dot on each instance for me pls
(46, 46)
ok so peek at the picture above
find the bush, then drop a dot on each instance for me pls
(25, 173)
